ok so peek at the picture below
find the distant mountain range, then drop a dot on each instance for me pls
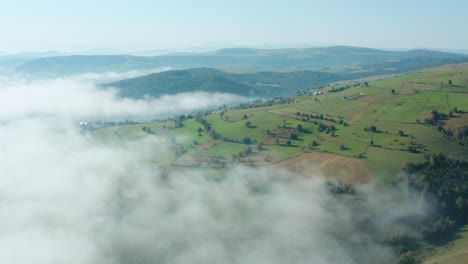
(269, 73)
(243, 71)
(338, 59)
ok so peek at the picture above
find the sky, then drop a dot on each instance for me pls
(29, 25)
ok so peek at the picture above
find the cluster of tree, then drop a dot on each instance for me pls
(345, 87)
(178, 120)
(460, 134)
(247, 151)
(178, 123)
(412, 149)
(446, 180)
(340, 188)
(208, 128)
(299, 128)
(245, 140)
(179, 151)
(328, 129)
(286, 143)
(264, 103)
(372, 129)
(148, 130)
(123, 123)
(307, 117)
(260, 146)
(339, 89)
(91, 125)
(313, 144)
(293, 136)
(435, 117)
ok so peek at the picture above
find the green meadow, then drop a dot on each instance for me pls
(379, 126)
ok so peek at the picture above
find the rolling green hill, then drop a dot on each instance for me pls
(383, 123)
(257, 84)
(333, 59)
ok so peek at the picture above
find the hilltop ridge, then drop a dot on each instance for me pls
(332, 59)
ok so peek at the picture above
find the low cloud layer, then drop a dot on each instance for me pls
(77, 98)
(112, 76)
(66, 197)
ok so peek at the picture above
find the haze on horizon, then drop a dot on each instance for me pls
(151, 25)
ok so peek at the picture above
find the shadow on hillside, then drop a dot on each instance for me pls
(447, 238)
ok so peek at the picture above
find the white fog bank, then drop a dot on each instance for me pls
(66, 197)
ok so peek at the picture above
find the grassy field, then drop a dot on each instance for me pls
(388, 113)
(455, 252)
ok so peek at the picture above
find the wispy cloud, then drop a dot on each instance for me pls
(112, 76)
(78, 98)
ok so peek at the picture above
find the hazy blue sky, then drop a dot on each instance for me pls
(158, 24)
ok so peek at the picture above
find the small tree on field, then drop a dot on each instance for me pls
(259, 146)
(435, 115)
(247, 141)
(293, 136)
(412, 149)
